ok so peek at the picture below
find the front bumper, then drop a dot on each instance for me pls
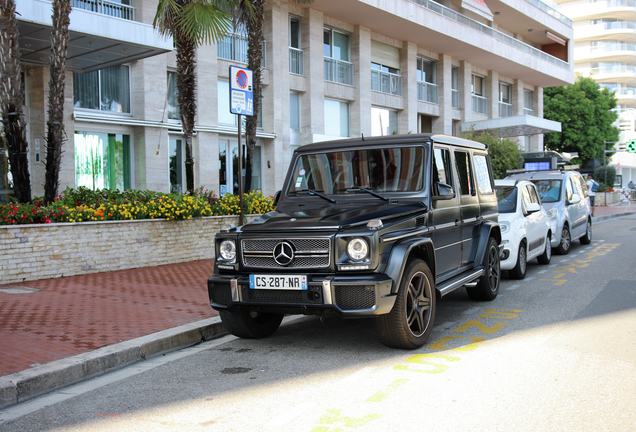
(348, 296)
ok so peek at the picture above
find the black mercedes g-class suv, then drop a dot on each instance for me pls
(371, 227)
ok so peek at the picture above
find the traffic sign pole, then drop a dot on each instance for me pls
(240, 173)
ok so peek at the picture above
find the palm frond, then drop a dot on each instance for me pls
(205, 22)
(166, 17)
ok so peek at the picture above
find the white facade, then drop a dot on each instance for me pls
(334, 68)
(605, 49)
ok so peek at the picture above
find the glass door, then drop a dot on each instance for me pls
(228, 168)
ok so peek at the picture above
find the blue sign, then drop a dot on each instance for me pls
(241, 94)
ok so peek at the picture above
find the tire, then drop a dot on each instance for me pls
(546, 256)
(250, 324)
(488, 286)
(566, 241)
(519, 270)
(587, 238)
(410, 322)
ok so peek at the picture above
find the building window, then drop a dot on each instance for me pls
(478, 90)
(336, 52)
(505, 100)
(103, 90)
(173, 101)
(528, 97)
(228, 168)
(296, 55)
(102, 160)
(426, 84)
(234, 45)
(294, 120)
(383, 121)
(386, 79)
(336, 118)
(177, 165)
(455, 87)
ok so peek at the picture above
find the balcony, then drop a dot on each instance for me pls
(386, 82)
(479, 104)
(528, 111)
(616, 51)
(106, 7)
(296, 61)
(455, 98)
(505, 109)
(234, 47)
(427, 92)
(551, 10)
(338, 71)
(620, 74)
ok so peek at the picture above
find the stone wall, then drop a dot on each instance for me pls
(31, 252)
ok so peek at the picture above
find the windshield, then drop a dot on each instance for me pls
(381, 170)
(507, 199)
(549, 190)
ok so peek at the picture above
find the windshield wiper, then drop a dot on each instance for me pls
(369, 191)
(314, 192)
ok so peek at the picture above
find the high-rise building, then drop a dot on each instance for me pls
(331, 69)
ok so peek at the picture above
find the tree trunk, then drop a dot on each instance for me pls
(55, 136)
(254, 59)
(186, 86)
(11, 97)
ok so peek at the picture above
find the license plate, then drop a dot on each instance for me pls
(288, 282)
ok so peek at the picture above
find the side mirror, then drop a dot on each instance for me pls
(533, 207)
(276, 198)
(444, 192)
(576, 198)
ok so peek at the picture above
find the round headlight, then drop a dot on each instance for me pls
(553, 214)
(505, 227)
(227, 250)
(357, 249)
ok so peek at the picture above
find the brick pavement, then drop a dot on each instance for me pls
(74, 315)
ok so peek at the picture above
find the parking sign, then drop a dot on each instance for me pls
(241, 94)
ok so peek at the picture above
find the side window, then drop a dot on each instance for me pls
(442, 172)
(482, 174)
(525, 198)
(534, 196)
(581, 186)
(569, 190)
(464, 172)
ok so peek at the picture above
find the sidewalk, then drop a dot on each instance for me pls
(57, 332)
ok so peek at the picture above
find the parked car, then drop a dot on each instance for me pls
(564, 196)
(370, 227)
(525, 226)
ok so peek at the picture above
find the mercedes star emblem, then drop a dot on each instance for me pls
(283, 253)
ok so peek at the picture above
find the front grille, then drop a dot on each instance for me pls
(350, 297)
(311, 296)
(308, 252)
(221, 293)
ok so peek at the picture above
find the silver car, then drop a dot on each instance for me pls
(564, 196)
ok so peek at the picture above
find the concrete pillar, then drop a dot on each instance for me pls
(517, 97)
(360, 108)
(444, 69)
(313, 102)
(408, 118)
(492, 94)
(465, 92)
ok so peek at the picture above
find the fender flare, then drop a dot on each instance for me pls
(487, 230)
(400, 254)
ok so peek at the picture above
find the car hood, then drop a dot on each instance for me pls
(331, 218)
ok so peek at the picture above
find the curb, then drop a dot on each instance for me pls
(612, 216)
(30, 383)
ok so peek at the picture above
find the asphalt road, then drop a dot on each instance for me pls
(554, 352)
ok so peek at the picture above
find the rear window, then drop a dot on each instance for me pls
(507, 199)
(549, 190)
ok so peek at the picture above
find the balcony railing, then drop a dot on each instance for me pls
(480, 104)
(505, 109)
(427, 92)
(551, 10)
(455, 98)
(106, 7)
(528, 111)
(508, 40)
(234, 47)
(617, 70)
(386, 82)
(338, 71)
(296, 61)
(621, 3)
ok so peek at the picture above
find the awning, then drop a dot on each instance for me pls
(515, 126)
(97, 40)
(479, 7)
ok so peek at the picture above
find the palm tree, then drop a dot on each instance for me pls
(55, 125)
(253, 21)
(191, 23)
(11, 97)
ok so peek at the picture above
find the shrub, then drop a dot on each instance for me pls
(253, 203)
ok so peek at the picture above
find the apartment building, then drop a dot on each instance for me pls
(332, 69)
(605, 49)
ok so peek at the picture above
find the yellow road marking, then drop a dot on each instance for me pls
(383, 394)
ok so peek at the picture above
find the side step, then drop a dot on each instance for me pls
(460, 281)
